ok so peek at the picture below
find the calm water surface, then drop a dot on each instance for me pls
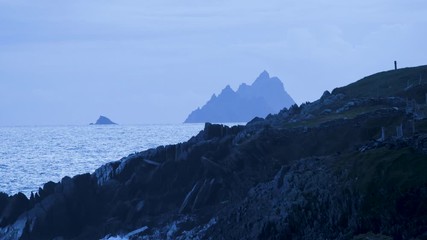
(32, 156)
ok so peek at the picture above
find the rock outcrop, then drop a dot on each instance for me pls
(332, 169)
(102, 120)
(266, 95)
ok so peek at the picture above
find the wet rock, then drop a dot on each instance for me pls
(15, 206)
(214, 131)
(4, 199)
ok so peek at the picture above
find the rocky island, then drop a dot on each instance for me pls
(266, 95)
(351, 165)
(102, 120)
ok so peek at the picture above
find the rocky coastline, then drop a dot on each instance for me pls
(343, 167)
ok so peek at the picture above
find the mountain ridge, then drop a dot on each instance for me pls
(265, 96)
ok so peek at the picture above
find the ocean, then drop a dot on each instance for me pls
(32, 156)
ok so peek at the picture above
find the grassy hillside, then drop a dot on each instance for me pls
(398, 82)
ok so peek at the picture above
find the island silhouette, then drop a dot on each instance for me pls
(102, 120)
(265, 96)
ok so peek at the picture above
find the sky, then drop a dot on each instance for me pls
(154, 61)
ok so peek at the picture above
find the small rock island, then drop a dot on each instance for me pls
(102, 120)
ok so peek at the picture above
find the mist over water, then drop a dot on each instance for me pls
(32, 156)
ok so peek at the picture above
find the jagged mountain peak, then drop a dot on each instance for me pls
(227, 90)
(263, 76)
(243, 87)
(264, 80)
(266, 95)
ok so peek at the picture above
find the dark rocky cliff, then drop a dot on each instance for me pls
(343, 167)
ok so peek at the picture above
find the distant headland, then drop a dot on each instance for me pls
(102, 120)
(266, 95)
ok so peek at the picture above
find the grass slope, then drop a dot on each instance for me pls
(388, 83)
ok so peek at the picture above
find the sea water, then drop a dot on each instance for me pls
(32, 156)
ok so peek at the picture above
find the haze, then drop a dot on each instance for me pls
(154, 61)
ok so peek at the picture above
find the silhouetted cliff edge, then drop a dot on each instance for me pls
(351, 165)
(266, 95)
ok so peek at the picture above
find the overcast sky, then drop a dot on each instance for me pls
(154, 61)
